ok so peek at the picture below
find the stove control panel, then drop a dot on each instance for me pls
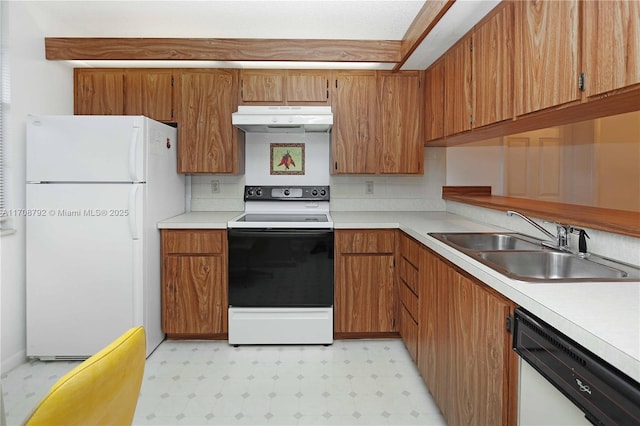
(284, 193)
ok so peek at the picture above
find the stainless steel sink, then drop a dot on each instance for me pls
(489, 241)
(554, 266)
(525, 258)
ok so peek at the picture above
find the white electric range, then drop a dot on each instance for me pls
(281, 267)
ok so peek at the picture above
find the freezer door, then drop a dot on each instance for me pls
(86, 148)
(84, 260)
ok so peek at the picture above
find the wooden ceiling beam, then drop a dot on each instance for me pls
(216, 49)
(425, 20)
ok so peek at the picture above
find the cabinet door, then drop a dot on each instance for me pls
(611, 34)
(354, 142)
(546, 54)
(98, 91)
(492, 61)
(445, 350)
(262, 87)
(194, 295)
(434, 102)
(207, 141)
(364, 296)
(430, 331)
(149, 93)
(364, 281)
(458, 101)
(402, 148)
(479, 351)
(307, 87)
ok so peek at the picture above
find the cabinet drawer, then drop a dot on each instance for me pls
(193, 241)
(410, 250)
(409, 332)
(408, 274)
(409, 300)
(365, 241)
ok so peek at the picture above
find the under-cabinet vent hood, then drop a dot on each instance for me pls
(283, 119)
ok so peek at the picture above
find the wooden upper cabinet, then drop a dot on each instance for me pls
(492, 62)
(402, 143)
(354, 136)
(262, 87)
(284, 87)
(98, 91)
(611, 45)
(116, 91)
(149, 92)
(546, 54)
(307, 87)
(207, 141)
(458, 97)
(434, 102)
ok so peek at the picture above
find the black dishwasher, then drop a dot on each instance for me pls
(606, 395)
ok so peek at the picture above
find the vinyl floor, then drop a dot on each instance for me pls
(352, 382)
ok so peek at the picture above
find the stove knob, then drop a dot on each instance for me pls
(287, 192)
(314, 192)
(323, 192)
(249, 192)
(259, 192)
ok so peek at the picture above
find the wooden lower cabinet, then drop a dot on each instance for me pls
(408, 274)
(364, 301)
(194, 283)
(408, 328)
(464, 348)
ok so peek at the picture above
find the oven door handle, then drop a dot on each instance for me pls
(275, 232)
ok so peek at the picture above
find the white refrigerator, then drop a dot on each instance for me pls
(96, 188)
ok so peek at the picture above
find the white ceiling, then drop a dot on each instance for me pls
(295, 19)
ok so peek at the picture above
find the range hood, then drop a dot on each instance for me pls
(283, 119)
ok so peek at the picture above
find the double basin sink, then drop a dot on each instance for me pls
(525, 258)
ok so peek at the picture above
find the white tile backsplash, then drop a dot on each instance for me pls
(229, 197)
(316, 158)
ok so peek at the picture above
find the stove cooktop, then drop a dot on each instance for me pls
(294, 207)
(282, 217)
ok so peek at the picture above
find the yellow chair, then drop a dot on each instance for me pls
(102, 390)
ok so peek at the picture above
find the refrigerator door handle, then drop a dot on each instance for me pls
(133, 145)
(133, 222)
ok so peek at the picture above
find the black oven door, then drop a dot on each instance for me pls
(280, 268)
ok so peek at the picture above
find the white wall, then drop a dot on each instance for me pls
(36, 86)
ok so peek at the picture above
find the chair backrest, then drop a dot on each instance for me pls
(102, 390)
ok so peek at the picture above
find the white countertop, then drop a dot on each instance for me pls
(603, 317)
(199, 220)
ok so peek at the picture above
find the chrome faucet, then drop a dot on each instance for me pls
(561, 239)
